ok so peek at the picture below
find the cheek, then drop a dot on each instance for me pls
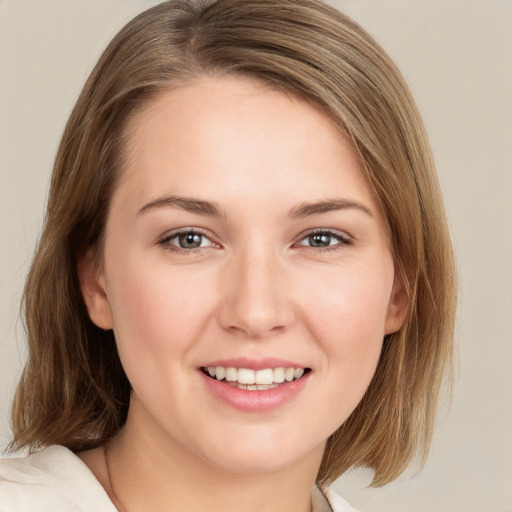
(353, 301)
(158, 312)
(347, 316)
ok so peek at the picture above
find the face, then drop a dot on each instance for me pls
(243, 247)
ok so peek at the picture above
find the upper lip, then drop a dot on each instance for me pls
(254, 364)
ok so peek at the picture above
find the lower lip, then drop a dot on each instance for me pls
(255, 400)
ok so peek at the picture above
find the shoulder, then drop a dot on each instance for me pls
(329, 501)
(52, 479)
(338, 504)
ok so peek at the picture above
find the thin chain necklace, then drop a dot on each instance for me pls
(106, 447)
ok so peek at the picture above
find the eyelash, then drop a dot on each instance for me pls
(343, 240)
(166, 241)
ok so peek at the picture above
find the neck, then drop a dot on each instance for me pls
(151, 473)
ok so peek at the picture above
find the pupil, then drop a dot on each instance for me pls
(190, 240)
(320, 240)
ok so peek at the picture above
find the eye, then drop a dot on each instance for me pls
(324, 239)
(186, 240)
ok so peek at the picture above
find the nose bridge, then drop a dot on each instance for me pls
(256, 300)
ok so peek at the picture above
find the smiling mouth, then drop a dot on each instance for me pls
(254, 380)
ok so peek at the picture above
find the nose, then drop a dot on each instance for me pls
(256, 300)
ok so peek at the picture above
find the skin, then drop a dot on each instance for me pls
(258, 287)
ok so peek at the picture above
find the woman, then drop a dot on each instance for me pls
(245, 285)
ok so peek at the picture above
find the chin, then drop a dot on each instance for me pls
(264, 454)
(246, 463)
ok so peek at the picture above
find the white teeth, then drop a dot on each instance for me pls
(263, 387)
(231, 374)
(245, 378)
(279, 375)
(264, 376)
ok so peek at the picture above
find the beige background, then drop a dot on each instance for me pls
(456, 55)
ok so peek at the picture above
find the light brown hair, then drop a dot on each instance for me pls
(73, 390)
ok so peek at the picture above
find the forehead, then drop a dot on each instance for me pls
(243, 135)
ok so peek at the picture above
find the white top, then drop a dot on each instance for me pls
(55, 480)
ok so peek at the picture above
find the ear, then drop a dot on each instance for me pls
(398, 306)
(92, 285)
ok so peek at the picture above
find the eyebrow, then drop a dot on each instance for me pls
(329, 205)
(207, 208)
(184, 203)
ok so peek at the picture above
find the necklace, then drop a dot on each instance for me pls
(106, 447)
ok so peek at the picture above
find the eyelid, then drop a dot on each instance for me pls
(164, 240)
(343, 237)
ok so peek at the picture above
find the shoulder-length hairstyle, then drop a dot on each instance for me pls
(73, 390)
